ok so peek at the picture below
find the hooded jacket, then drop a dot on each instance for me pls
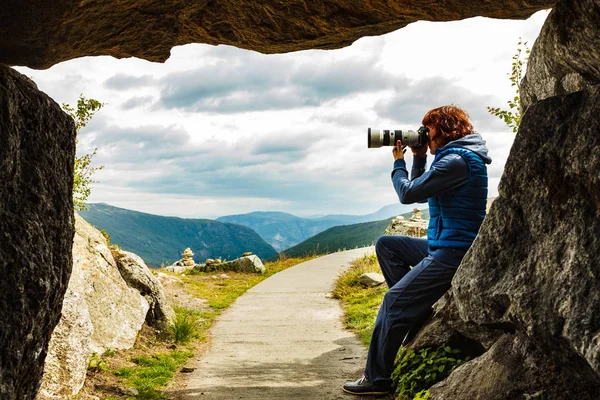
(456, 189)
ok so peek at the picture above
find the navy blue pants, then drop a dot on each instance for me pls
(412, 293)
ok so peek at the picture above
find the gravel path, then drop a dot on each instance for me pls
(283, 339)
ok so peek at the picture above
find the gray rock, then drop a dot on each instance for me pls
(37, 147)
(371, 279)
(200, 267)
(243, 264)
(116, 310)
(100, 312)
(516, 368)
(69, 349)
(566, 56)
(138, 276)
(178, 269)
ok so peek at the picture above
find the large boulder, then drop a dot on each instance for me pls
(117, 311)
(536, 262)
(70, 346)
(101, 312)
(566, 56)
(40, 34)
(138, 276)
(243, 264)
(517, 368)
(528, 289)
(37, 147)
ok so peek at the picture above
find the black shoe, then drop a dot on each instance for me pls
(416, 328)
(364, 387)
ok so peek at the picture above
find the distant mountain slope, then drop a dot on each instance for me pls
(160, 239)
(339, 238)
(282, 230)
(389, 211)
(344, 237)
(279, 229)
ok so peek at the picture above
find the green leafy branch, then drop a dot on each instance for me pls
(512, 116)
(417, 371)
(83, 170)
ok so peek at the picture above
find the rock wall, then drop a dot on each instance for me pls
(566, 56)
(40, 34)
(37, 146)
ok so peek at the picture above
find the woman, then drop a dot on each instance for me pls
(419, 271)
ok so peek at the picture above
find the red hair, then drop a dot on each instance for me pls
(449, 123)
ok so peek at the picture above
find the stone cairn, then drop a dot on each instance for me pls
(187, 259)
(416, 226)
(186, 263)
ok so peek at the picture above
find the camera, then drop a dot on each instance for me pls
(377, 138)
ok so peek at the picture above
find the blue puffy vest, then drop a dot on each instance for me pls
(457, 214)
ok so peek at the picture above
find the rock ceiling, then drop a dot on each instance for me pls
(40, 33)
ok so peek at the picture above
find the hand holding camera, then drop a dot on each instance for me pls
(399, 150)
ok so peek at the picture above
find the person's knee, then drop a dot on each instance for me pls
(384, 244)
(379, 244)
(389, 299)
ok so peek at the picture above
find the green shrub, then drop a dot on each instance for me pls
(512, 116)
(417, 371)
(185, 327)
(97, 363)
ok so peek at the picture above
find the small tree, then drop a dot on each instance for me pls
(86, 108)
(512, 116)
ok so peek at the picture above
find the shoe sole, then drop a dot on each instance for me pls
(367, 393)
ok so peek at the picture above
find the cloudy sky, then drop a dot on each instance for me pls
(217, 130)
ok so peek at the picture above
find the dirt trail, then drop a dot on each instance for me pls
(283, 339)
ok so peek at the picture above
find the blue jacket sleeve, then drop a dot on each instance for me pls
(447, 173)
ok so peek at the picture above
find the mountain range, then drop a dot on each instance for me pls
(344, 237)
(158, 239)
(282, 230)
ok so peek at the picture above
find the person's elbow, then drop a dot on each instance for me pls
(405, 198)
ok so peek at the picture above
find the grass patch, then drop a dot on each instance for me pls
(152, 372)
(186, 326)
(360, 303)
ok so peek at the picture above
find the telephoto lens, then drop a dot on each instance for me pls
(378, 138)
